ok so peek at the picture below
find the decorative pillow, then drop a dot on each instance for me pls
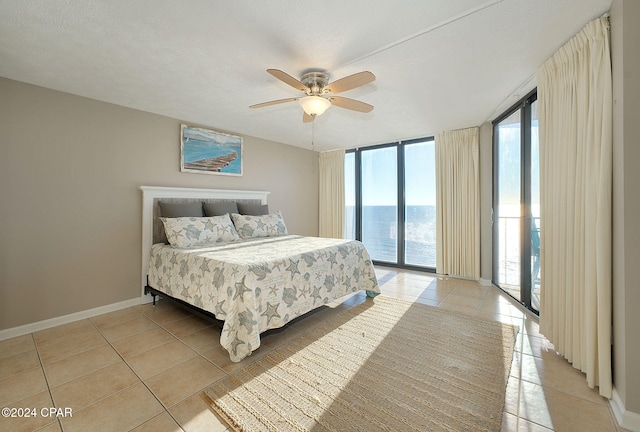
(175, 210)
(249, 226)
(253, 209)
(220, 208)
(186, 232)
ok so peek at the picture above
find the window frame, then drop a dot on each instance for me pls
(401, 200)
(524, 106)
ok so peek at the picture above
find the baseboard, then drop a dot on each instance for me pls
(483, 282)
(65, 319)
(626, 419)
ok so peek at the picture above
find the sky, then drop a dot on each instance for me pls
(379, 175)
(379, 171)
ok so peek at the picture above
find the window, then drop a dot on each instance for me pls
(390, 202)
(516, 207)
(379, 186)
(420, 204)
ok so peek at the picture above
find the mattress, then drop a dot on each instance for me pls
(263, 283)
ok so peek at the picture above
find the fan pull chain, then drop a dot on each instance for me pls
(313, 135)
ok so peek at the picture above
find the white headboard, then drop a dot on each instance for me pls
(151, 195)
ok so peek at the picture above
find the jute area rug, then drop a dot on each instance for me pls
(384, 365)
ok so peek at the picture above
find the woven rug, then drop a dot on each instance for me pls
(384, 365)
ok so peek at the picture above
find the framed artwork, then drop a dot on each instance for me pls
(205, 151)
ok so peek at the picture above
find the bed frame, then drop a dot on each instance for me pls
(152, 230)
(182, 304)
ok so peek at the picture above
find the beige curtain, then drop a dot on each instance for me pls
(575, 126)
(457, 204)
(331, 206)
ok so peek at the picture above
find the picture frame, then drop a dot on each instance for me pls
(205, 151)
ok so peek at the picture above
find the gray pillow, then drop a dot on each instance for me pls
(253, 209)
(220, 208)
(250, 226)
(174, 210)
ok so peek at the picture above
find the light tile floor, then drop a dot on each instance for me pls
(143, 368)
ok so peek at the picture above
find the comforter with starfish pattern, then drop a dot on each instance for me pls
(258, 284)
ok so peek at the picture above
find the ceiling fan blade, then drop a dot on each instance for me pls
(306, 118)
(288, 79)
(351, 104)
(350, 82)
(274, 102)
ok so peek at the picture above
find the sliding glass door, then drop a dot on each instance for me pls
(390, 202)
(420, 204)
(533, 224)
(379, 186)
(516, 207)
(507, 209)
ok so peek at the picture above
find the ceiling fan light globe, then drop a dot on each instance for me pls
(314, 105)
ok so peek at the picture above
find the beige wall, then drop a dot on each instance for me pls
(625, 54)
(70, 215)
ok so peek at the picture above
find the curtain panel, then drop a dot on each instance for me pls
(458, 204)
(575, 127)
(331, 206)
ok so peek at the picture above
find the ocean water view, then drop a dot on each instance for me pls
(380, 233)
(198, 150)
(380, 236)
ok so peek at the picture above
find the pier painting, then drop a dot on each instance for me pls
(209, 152)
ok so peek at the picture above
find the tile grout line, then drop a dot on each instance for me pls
(177, 338)
(521, 335)
(188, 346)
(577, 396)
(46, 381)
(123, 360)
(116, 351)
(140, 380)
(198, 353)
(520, 421)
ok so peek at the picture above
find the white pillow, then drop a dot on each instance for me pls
(270, 225)
(186, 232)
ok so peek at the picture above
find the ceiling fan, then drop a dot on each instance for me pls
(320, 93)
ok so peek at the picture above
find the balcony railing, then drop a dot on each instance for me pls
(509, 267)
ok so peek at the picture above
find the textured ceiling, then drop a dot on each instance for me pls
(440, 64)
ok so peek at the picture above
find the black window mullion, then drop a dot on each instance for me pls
(525, 224)
(358, 175)
(524, 106)
(401, 202)
(401, 199)
(495, 208)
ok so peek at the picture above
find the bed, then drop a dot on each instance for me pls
(256, 280)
